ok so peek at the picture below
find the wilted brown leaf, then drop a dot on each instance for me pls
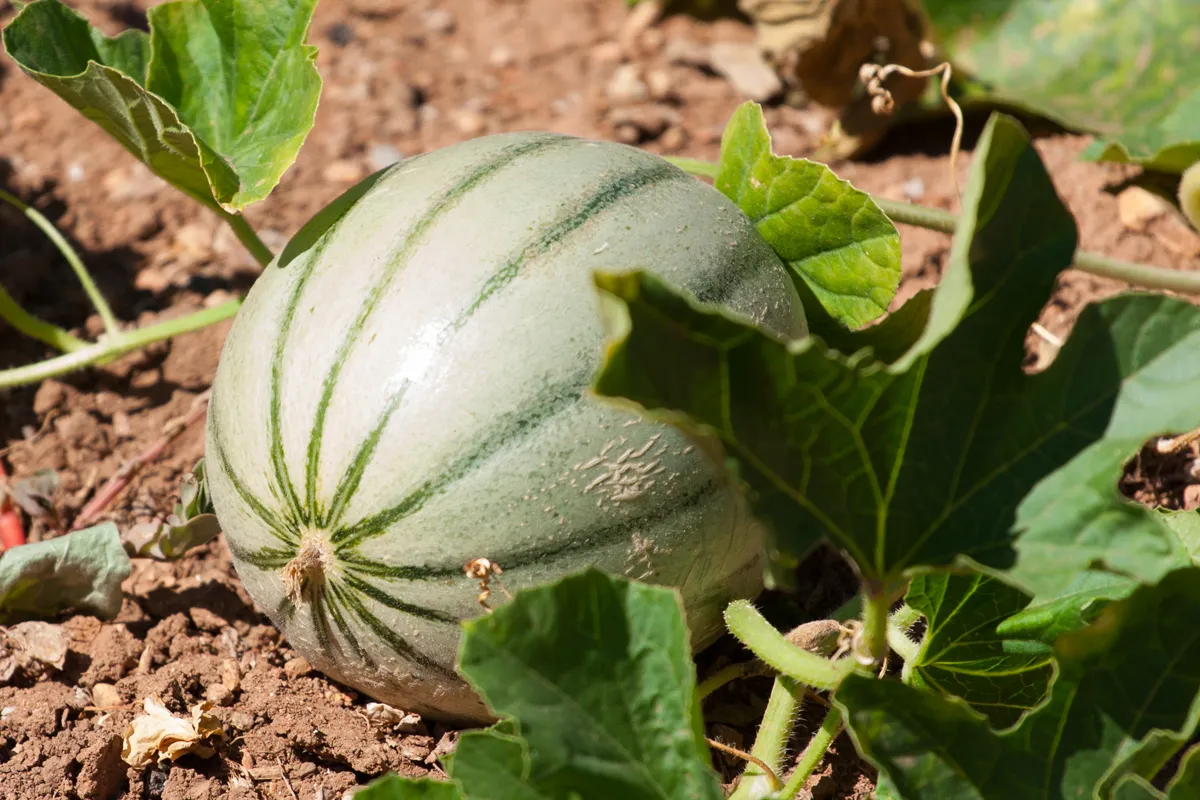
(158, 735)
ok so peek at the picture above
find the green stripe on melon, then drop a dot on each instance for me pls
(409, 394)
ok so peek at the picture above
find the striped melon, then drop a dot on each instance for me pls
(408, 394)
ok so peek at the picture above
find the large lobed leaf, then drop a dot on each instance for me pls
(843, 251)
(1118, 68)
(598, 675)
(217, 99)
(1124, 701)
(926, 461)
(964, 655)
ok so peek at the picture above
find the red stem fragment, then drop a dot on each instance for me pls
(12, 530)
(124, 476)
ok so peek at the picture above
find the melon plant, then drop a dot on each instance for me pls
(409, 394)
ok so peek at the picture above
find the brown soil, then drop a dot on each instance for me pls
(412, 76)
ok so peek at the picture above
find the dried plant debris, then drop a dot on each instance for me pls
(158, 735)
(31, 648)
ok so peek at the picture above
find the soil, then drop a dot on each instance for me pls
(400, 78)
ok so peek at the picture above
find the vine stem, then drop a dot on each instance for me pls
(26, 323)
(770, 742)
(118, 345)
(247, 236)
(817, 747)
(874, 626)
(1133, 273)
(111, 326)
(760, 636)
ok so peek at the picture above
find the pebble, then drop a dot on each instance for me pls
(135, 182)
(241, 720)
(914, 189)
(218, 694)
(381, 156)
(633, 124)
(105, 695)
(231, 675)
(440, 21)
(501, 56)
(641, 17)
(742, 64)
(661, 85)
(1138, 207)
(606, 53)
(193, 242)
(50, 395)
(342, 171)
(297, 667)
(626, 86)
(76, 173)
(340, 34)
(469, 122)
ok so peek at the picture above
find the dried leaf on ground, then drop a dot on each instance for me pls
(158, 735)
(31, 647)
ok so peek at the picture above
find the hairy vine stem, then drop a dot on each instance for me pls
(77, 353)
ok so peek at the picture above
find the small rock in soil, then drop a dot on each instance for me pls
(218, 695)
(241, 720)
(297, 667)
(626, 85)
(439, 21)
(747, 71)
(106, 696)
(1137, 207)
(50, 396)
(634, 124)
(342, 171)
(469, 122)
(641, 18)
(687, 53)
(231, 675)
(381, 156)
(660, 84)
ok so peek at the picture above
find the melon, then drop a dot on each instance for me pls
(405, 391)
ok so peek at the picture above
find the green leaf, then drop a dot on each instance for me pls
(216, 100)
(81, 571)
(963, 654)
(494, 766)
(393, 787)
(843, 251)
(925, 462)
(1126, 687)
(598, 675)
(1104, 66)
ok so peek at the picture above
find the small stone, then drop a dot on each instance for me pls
(50, 396)
(914, 189)
(122, 428)
(102, 772)
(218, 297)
(297, 667)
(1138, 207)
(660, 84)
(151, 279)
(231, 675)
(76, 173)
(193, 242)
(626, 86)
(742, 64)
(469, 122)
(501, 56)
(218, 694)
(241, 720)
(342, 171)
(106, 696)
(639, 123)
(439, 21)
(382, 156)
(674, 139)
(135, 182)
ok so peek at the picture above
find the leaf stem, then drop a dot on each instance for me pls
(114, 346)
(752, 630)
(726, 675)
(1133, 273)
(817, 747)
(770, 742)
(905, 617)
(899, 640)
(34, 328)
(248, 237)
(111, 326)
(875, 625)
